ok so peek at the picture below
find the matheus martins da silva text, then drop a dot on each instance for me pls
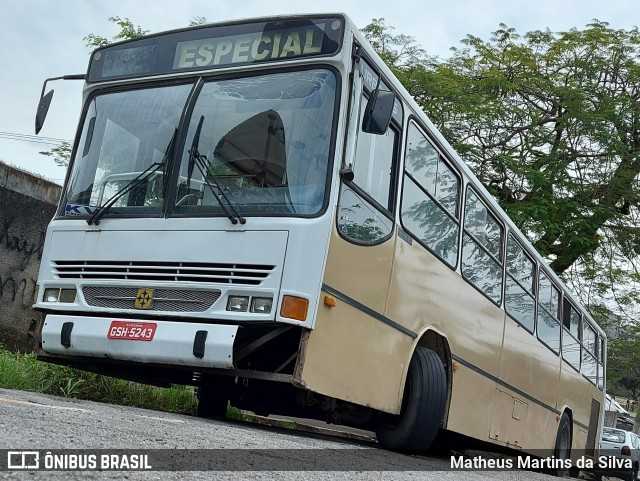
(531, 462)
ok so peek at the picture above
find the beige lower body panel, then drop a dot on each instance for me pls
(471, 403)
(355, 357)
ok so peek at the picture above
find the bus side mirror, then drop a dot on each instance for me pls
(378, 112)
(43, 108)
(45, 100)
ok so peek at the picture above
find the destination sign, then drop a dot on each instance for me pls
(217, 46)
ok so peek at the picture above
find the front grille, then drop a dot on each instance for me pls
(175, 300)
(243, 274)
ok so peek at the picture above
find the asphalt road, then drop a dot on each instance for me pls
(184, 447)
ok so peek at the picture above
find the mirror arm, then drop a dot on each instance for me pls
(63, 77)
(45, 100)
(346, 174)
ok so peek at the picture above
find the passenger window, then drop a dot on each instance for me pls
(571, 318)
(548, 295)
(481, 248)
(430, 171)
(482, 225)
(519, 301)
(570, 334)
(589, 366)
(519, 265)
(430, 198)
(548, 308)
(589, 338)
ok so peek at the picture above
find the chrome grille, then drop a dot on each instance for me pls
(179, 300)
(243, 274)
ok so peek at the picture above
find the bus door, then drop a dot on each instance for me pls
(354, 338)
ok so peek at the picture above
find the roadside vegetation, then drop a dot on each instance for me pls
(24, 372)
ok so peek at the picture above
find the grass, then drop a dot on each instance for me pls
(24, 372)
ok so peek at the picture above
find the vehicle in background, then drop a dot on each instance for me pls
(623, 446)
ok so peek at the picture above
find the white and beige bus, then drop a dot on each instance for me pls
(261, 210)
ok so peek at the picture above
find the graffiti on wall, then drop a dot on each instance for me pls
(18, 285)
(19, 244)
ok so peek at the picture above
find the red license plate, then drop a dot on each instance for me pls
(132, 331)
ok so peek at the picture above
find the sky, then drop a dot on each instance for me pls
(40, 39)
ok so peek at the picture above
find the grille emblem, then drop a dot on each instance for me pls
(144, 299)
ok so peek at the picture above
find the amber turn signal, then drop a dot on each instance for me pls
(294, 308)
(330, 301)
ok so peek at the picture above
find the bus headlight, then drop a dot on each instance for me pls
(238, 303)
(261, 305)
(67, 296)
(51, 295)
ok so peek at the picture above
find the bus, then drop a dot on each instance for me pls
(259, 209)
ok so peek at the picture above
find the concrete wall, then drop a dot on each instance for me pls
(27, 204)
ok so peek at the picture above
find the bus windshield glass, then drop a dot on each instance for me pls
(258, 145)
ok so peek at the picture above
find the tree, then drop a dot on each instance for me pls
(549, 123)
(623, 370)
(127, 31)
(60, 153)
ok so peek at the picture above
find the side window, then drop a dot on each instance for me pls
(373, 161)
(430, 194)
(519, 298)
(602, 362)
(601, 373)
(589, 353)
(481, 248)
(571, 334)
(548, 311)
(364, 212)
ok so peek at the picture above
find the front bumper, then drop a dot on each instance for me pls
(173, 343)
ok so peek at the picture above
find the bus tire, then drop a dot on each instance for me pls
(213, 401)
(562, 449)
(423, 405)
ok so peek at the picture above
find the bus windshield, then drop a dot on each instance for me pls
(258, 145)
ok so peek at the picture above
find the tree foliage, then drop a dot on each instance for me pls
(549, 123)
(60, 154)
(127, 31)
(623, 372)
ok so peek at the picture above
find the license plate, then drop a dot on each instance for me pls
(132, 331)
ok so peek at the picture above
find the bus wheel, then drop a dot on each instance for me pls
(213, 399)
(423, 405)
(562, 450)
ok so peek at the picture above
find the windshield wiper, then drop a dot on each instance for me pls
(197, 159)
(128, 187)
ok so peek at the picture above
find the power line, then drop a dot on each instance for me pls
(32, 138)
